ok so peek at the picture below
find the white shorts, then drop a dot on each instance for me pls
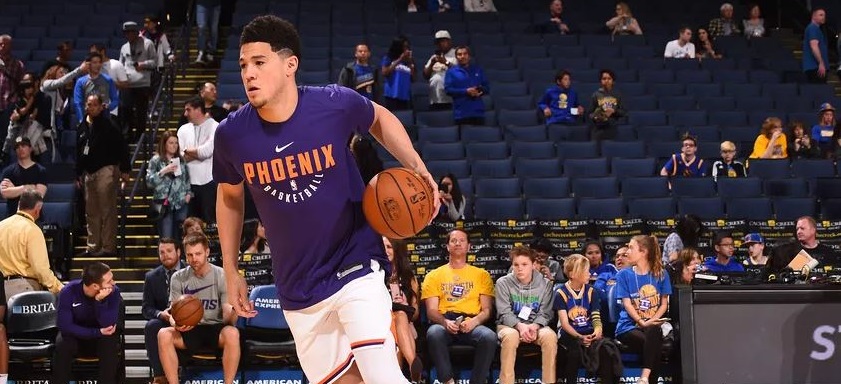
(356, 317)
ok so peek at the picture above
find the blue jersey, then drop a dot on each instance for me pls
(714, 266)
(560, 101)
(677, 167)
(307, 188)
(364, 80)
(644, 292)
(398, 85)
(580, 307)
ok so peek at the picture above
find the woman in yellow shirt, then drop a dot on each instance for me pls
(771, 142)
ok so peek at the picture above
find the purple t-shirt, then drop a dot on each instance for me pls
(307, 190)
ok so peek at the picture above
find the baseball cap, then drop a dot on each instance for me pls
(753, 238)
(22, 140)
(826, 107)
(442, 34)
(129, 26)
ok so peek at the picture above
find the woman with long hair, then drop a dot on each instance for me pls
(682, 271)
(594, 252)
(800, 144)
(255, 238)
(167, 176)
(398, 68)
(405, 299)
(688, 231)
(754, 24)
(57, 85)
(624, 22)
(452, 201)
(704, 48)
(644, 290)
(771, 142)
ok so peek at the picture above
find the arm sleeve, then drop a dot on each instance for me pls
(691, 50)
(108, 310)
(36, 251)
(486, 284)
(115, 94)
(665, 285)
(450, 85)
(667, 52)
(205, 150)
(152, 176)
(759, 146)
(55, 84)
(151, 55)
(344, 77)
(148, 308)
(623, 291)
(359, 110)
(431, 287)
(78, 100)
(505, 315)
(224, 170)
(543, 103)
(65, 319)
(670, 164)
(544, 317)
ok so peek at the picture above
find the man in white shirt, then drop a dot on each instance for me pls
(195, 140)
(682, 48)
(140, 58)
(435, 69)
(113, 68)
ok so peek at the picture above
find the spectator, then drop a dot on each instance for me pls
(436, 69)
(453, 201)
(754, 25)
(756, 251)
(444, 5)
(606, 279)
(550, 268)
(595, 254)
(207, 92)
(398, 69)
(823, 131)
(682, 47)
(682, 271)
(771, 142)
(807, 241)
(193, 225)
(467, 83)
(688, 231)
(22, 175)
(139, 57)
(624, 22)
(555, 23)
(685, 163)
(168, 177)
(207, 15)
(405, 297)
(4, 340)
(88, 312)
(801, 145)
(111, 67)
(366, 157)
(151, 31)
(644, 290)
(195, 140)
(459, 299)
(579, 319)
(412, 7)
(103, 159)
(11, 73)
(724, 25)
(23, 250)
(206, 282)
(723, 260)
(58, 85)
(524, 313)
(559, 103)
(231, 105)
(256, 241)
(62, 59)
(95, 82)
(815, 48)
(728, 166)
(479, 6)
(705, 49)
(361, 75)
(156, 300)
(606, 107)
(30, 117)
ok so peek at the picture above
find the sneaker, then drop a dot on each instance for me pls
(412, 8)
(200, 57)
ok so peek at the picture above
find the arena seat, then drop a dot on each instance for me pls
(548, 187)
(498, 187)
(266, 336)
(550, 209)
(31, 334)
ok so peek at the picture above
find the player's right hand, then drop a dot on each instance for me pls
(238, 295)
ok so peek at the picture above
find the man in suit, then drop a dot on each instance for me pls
(156, 300)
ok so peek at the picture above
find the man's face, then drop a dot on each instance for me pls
(95, 65)
(523, 267)
(131, 36)
(805, 231)
(686, 35)
(93, 107)
(606, 81)
(197, 256)
(107, 281)
(208, 93)
(194, 115)
(150, 25)
(728, 155)
(566, 82)
(168, 254)
(820, 17)
(556, 7)
(362, 53)
(5, 46)
(65, 52)
(688, 148)
(23, 151)
(727, 13)
(265, 73)
(457, 244)
(463, 56)
(756, 249)
(725, 247)
(621, 259)
(444, 45)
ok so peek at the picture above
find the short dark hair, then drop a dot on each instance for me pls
(196, 102)
(684, 28)
(278, 33)
(688, 136)
(98, 47)
(721, 235)
(543, 245)
(560, 75)
(196, 238)
(93, 272)
(609, 72)
(168, 240)
(95, 95)
(29, 199)
(65, 44)
(814, 11)
(460, 47)
(93, 55)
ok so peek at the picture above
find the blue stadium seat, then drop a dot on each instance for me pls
(661, 76)
(652, 208)
(632, 89)
(693, 187)
(729, 119)
(682, 65)
(704, 90)
(827, 188)
(796, 104)
(459, 168)
(679, 103)
(533, 149)
(757, 117)
(626, 149)
(480, 134)
(577, 150)
(818, 93)
(492, 168)
(761, 103)
(612, 62)
(667, 90)
(791, 208)
(510, 89)
(503, 75)
(550, 209)
(58, 192)
(529, 133)
(779, 91)
(731, 187)
(314, 77)
(516, 103)
(517, 118)
(693, 76)
(602, 51)
(705, 133)
(435, 119)
(794, 187)
(604, 209)
(763, 77)
(730, 76)
(58, 213)
(546, 187)
(573, 64)
(623, 168)
(600, 187)
(830, 209)
(641, 52)
(647, 118)
(499, 63)
(498, 208)
(718, 64)
(651, 186)
(490, 150)
(443, 151)
(407, 118)
(717, 103)
(687, 118)
(663, 150)
(769, 169)
(811, 169)
(529, 52)
(647, 64)
(538, 168)
(641, 103)
(231, 91)
(597, 167)
(703, 207)
(498, 187)
(561, 133)
(753, 208)
(740, 134)
(438, 134)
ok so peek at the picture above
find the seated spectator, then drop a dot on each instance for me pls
(688, 230)
(771, 142)
(10, 78)
(168, 177)
(256, 241)
(215, 331)
(207, 92)
(88, 312)
(559, 103)
(479, 6)
(156, 300)
(756, 251)
(822, 131)
(682, 271)
(30, 117)
(644, 290)
(366, 157)
(21, 175)
(62, 58)
(193, 225)
(435, 71)
(724, 25)
(398, 69)
(606, 108)
(459, 300)
(412, 7)
(595, 254)
(624, 22)
(728, 166)
(705, 48)
(57, 85)
(550, 268)
(404, 287)
(453, 201)
(723, 260)
(555, 23)
(807, 241)
(754, 25)
(95, 82)
(579, 318)
(524, 313)
(682, 47)
(685, 163)
(801, 145)
(360, 75)
(608, 278)
(466, 84)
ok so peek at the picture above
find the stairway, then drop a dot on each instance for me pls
(794, 42)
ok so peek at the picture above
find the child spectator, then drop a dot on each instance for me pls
(801, 145)
(771, 142)
(559, 103)
(728, 166)
(685, 163)
(823, 130)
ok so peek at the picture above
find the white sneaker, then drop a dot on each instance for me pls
(412, 8)
(200, 57)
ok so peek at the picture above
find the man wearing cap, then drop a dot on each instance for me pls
(139, 57)
(23, 250)
(436, 68)
(823, 131)
(815, 48)
(723, 259)
(22, 175)
(756, 247)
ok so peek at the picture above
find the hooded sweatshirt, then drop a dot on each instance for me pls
(512, 296)
(603, 99)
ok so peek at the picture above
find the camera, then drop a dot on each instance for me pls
(444, 188)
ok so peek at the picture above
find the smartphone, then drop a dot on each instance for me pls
(444, 189)
(459, 320)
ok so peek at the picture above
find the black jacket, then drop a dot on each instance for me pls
(347, 78)
(156, 292)
(105, 146)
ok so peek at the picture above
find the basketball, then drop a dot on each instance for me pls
(398, 203)
(187, 310)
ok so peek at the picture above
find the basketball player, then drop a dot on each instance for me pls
(289, 146)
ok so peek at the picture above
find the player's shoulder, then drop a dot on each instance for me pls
(237, 118)
(330, 95)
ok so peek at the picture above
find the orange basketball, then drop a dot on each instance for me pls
(398, 203)
(187, 310)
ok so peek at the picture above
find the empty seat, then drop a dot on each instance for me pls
(533, 150)
(693, 187)
(550, 209)
(472, 133)
(601, 187)
(647, 118)
(688, 118)
(830, 209)
(633, 167)
(667, 90)
(705, 133)
(792, 208)
(655, 133)
(435, 118)
(492, 168)
(525, 133)
(498, 187)
(516, 103)
(730, 187)
(652, 186)
(538, 168)
(810, 169)
(438, 134)
(443, 151)
(663, 149)
(717, 103)
(794, 187)
(729, 118)
(642, 103)
(517, 118)
(769, 169)
(753, 208)
(679, 103)
(760, 103)
(58, 213)
(597, 167)
(609, 208)
(459, 168)
(625, 149)
(510, 89)
(703, 207)
(661, 76)
(730, 76)
(60, 192)
(828, 188)
(577, 149)
(477, 151)
(704, 90)
(652, 208)
(547, 187)
(740, 134)
(498, 208)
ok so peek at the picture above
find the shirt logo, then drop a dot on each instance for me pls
(279, 149)
(76, 305)
(291, 178)
(188, 291)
